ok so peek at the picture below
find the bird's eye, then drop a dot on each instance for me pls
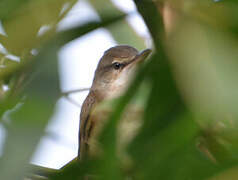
(117, 65)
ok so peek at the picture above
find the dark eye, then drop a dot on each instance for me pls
(117, 65)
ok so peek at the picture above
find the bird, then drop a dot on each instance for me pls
(112, 76)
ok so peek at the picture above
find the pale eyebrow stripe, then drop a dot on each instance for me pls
(119, 59)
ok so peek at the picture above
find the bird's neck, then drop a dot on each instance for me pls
(107, 91)
(97, 95)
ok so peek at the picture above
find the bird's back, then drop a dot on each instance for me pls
(84, 134)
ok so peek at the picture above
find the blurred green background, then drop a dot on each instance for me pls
(188, 88)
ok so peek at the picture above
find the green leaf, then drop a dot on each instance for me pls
(7, 7)
(121, 31)
(29, 120)
(25, 23)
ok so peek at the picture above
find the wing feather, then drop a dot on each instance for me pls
(88, 104)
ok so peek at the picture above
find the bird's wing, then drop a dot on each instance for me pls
(88, 104)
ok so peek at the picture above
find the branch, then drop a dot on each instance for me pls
(72, 101)
(66, 93)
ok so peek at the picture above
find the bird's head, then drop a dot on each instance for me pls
(115, 70)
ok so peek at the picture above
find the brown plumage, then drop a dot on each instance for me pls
(111, 78)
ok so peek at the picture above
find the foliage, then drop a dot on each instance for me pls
(189, 83)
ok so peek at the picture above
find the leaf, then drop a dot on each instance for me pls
(153, 20)
(7, 7)
(28, 122)
(23, 28)
(121, 31)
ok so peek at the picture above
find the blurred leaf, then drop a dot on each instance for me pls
(121, 31)
(153, 20)
(28, 22)
(28, 122)
(7, 7)
(213, 67)
(228, 174)
(68, 35)
(76, 170)
(40, 171)
(165, 107)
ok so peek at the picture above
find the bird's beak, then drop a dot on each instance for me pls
(142, 56)
(138, 58)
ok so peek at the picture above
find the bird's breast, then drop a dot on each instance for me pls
(126, 130)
